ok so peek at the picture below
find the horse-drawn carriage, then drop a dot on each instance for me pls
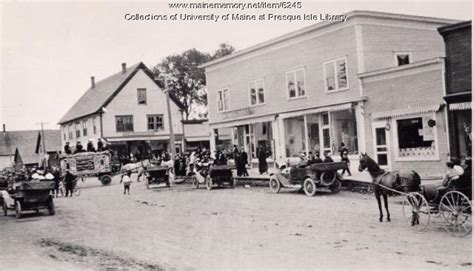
(157, 174)
(452, 203)
(31, 196)
(211, 175)
(310, 178)
(86, 164)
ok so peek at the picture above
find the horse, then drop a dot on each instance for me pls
(403, 181)
(139, 167)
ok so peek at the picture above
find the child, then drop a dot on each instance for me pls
(345, 159)
(127, 180)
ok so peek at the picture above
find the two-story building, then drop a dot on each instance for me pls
(459, 87)
(306, 91)
(128, 109)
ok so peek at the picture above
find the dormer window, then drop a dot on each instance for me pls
(402, 58)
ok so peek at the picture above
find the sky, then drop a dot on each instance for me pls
(49, 50)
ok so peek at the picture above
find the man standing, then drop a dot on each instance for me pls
(69, 179)
(243, 162)
(67, 148)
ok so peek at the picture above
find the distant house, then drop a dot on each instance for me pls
(129, 110)
(23, 148)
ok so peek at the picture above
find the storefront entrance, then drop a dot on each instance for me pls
(381, 146)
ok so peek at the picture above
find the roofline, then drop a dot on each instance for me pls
(317, 26)
(147, 71)
(413, 65)
(452, 27)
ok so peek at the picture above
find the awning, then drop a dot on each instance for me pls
(460, 106)
(406, 111)
(331, 108)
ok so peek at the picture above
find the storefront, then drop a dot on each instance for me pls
(320, 130)
(460, 116)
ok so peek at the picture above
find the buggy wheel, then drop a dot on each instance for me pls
(274, 185)
(208, 182)
(328, 177)
(416, 211)
(309, 187)
(456, 210)
(336, 187)
(195, 182)
(106, 179)
(17, 209)
(5, 208)
(51, 207)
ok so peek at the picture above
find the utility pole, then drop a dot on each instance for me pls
(172, 147)
(43, 142)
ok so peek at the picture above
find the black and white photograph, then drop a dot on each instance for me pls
(236, 135)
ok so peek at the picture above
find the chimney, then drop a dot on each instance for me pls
(124, 68)
(92, 82)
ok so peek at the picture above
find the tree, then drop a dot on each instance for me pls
(185, 80)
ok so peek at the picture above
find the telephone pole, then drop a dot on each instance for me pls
(172, 147)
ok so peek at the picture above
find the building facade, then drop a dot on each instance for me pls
(302, 92)
(129, 110)
(459, 87)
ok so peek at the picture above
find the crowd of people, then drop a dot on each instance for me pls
(78, 148)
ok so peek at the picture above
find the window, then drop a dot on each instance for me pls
(402, 58)
(124, 123)
(141, 95)
(257, 92)
(416, 137)
(94, 126)
(84, 128)
(335, 73)
(69, 129)
(223, 100)
(155, 122)
(295, 83)
(78, 129)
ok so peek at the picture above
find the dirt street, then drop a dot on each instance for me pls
(180, 228)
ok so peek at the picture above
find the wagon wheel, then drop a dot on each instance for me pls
(195, 182)
(106, 179)
(416, 211)
(309, 187)
(5, 208)
(17, 209)
(456, 210)
(208, 182)
(51, 207)
(274, 185)
(328, 177)
(336, 187)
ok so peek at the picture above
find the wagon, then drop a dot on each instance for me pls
(32, 196)
(87, 164)
(451, 204)
(310, 178)
(156, 175)
(219, 175)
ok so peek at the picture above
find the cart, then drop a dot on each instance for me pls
(200, 174)
(310, 178)
(32, 196)
(451, 204)
(88, 164)
(156, 175)
(219, 175)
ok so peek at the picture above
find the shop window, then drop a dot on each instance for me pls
(124, 123)
(155, 122)
(335, 73)
(402, 58)
(416, 137)
(257, 92)
(223, 100)
(78, 129)
(141, 96)
(296, 83)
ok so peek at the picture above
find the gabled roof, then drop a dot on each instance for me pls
(104, 91)
(26, 142)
